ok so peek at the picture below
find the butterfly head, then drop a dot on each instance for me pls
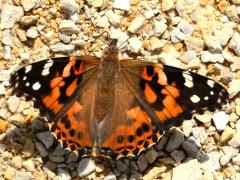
(111, 52)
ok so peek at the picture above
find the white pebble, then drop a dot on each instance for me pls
(136, 24)
(122, 5)
(220, 120)
(135, 44)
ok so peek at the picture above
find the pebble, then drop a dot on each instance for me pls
(136, 24)
(235, 141)
(135, 44)
(220, 120)
(236, 160)
(178, 155)
(229, 153)
(113, 18)
(213, 44)
(28, 20)
(28, 149)
(28, 4)
(7, 54)
(207, 176)
(142, 163)
(185, 27)
(9, 15)
(122, 5)
(156, 43)
(189, 170)
(167, 5)
(29, 165)
(17, 162)
(159, 28)
(191, 149)
(85, 167)
(223, 35)
(151, 156)
(234, 87)
(226, 135)
(69, 6)
(7, 38)
(65, 38)
(228, 57)
(121, 166)
(13, 103)
(110, 176)
(46, 138)
(204, 118)
(2, 90)
(68, 27)
(211, 163)
(32, 32)
(9, 173)
(234, 43)
(200, 134)
(4, 114)
(207, 57)
(41, 149)
(194, 44)
(187, 127)
(21, 175)
(175, 140)
(232, 13)
(103, 22)
(60, 47)
(63, 174)
(21, 35)
(188, 56)
(3, 126)
(177, 35)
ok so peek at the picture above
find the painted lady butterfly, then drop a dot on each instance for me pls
(119, 107)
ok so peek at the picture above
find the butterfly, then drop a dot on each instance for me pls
(119, 107)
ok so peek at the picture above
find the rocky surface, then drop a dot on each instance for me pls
(198, 35)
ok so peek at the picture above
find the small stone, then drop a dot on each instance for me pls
(234, 43)
(70, 7)
(194, 44)
(21, 35)
(232, 13)
(161, 143)
(220, 120)
(151, 156)
(28, 148)
(213, 44)
(7, 54)
(29, 165)
(60, 47)
(113, 18)
(191, 149)
(136, 24)
(205, 118)
(65, 38)
(28, 4)
(189, 170)
(235, 141)
(177, 35)
(187, 127)
(134, 44)
(175, 140)
(224, 35)
(229, 153)
(85, 167)
(122, 5)
(28, 20)
(63, 174)
(16, 162)
(21, 175)
(4, 114)
(178, 155)
(13, 103)
(32, 32)
(3, 126)
(229, 58)
(99, 168)
(100, 3)
(200, 134)
(24, 56)
(185, 27)
(207, 176)
(159, 28)
(211, 163)
(103, 22)
(110, 176)
(167, 5)
(46, 138)
(206, 57)
(121, 166)
(226, 135)
(234, 87)
(236, 160)
(156, 43)
(9, 15)
(41, 149)
(68, 27)
(142, 163)
(7, 38)
(9, 173)
(188, 56)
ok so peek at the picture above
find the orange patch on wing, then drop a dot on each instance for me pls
(67, 69)
(54, 82)
(71, 88)
(162, 78)
(150, 94)
(50, 99)
(145, 75)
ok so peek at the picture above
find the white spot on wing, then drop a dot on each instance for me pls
(46, 67)
(211, 92)
(36, 86)
(24, 78)
(45, 72)
(27, 84)
(211, 83)
(188, 79)
(28, 68)
(206, 98)
(195, 99)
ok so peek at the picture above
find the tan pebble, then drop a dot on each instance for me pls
(3, 125)
(222, 6)
(38, 43)
(16, 2)
(203, 2)
(21, 35)
(134, 2)
(226, 135)
(9, 173)
(167, 5)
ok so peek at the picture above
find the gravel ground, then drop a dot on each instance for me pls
(199, 35)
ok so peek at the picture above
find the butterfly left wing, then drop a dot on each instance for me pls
(169, 94)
